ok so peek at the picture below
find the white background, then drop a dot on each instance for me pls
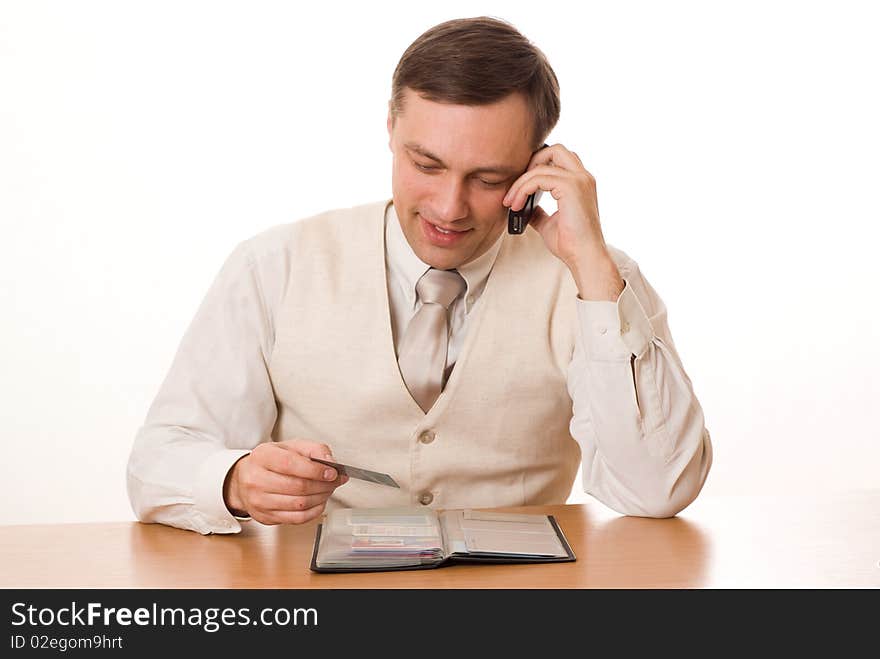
(736, 151)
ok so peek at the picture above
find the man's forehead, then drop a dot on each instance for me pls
(496, 135)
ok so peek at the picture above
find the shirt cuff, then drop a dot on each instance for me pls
(614, 331)
(208, 493)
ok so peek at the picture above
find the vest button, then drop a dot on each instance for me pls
(426, 498)
(427, 436)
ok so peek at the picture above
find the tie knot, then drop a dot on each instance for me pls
(440, 287)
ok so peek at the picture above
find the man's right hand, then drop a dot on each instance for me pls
(277, 483)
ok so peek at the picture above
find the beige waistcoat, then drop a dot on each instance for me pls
(499, 433)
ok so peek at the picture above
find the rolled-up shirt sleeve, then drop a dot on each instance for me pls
(215, 404)
(645, 448)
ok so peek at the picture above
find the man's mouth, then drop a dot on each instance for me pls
(443, 229)
(441, 236)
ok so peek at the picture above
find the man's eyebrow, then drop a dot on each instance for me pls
(490, 169)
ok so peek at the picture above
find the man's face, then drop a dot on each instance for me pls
(453, 164)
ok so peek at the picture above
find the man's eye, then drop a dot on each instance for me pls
(431, 168)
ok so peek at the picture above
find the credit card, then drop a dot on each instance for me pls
(358, 472)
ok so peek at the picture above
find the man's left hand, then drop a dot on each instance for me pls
(573, 233)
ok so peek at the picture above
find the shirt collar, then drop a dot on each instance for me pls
(407, 268)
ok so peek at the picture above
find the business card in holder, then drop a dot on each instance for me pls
(415, 538)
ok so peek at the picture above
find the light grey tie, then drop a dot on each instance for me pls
(422, 355)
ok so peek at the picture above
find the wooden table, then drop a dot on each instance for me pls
(729, 542)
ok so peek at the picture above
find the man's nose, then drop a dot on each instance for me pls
(451, 201)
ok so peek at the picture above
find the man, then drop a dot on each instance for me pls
(416, 337)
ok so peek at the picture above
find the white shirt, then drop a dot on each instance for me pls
(176, 477)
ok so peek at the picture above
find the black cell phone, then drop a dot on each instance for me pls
(517, 221)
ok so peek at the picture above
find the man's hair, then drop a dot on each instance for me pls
(478, 61)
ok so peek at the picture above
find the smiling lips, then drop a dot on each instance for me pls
(440, 237)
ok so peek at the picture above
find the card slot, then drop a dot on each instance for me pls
(502, 526)
(498, 543)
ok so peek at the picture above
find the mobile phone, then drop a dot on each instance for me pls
(517, 221)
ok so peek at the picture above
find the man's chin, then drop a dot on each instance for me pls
(441, 259)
